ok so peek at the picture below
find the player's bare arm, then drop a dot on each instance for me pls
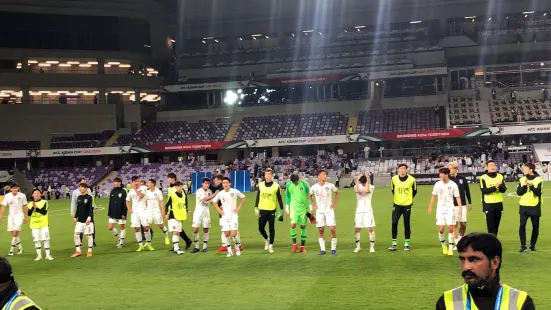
(312, 200)
(337, 196)
(432, 199)
(25, 213)
(128, 206)
(458, 199)
(240, 204)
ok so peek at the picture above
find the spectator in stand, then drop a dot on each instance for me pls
(350, 130)
(494, 93)
(371, 178)
(366, 151)
(545, 95)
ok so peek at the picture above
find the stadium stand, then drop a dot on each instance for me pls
(288, 126)
(68, 176)
(176, 132)
(19, 145)
(81, 140)
(393, 120)
(523, 110)
(464, 111)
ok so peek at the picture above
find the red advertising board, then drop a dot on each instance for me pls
(192, 146)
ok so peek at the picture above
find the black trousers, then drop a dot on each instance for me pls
(397, 213)
(493, 218)
(524, 216)
(267, 217)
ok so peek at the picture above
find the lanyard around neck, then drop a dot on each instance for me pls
(497, 306)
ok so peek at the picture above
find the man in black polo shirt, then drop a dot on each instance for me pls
(465, 195)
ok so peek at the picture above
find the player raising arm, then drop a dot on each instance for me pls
(364, 212)
(139, 219)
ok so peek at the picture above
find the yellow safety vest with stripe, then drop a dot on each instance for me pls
(268, 196)
(171, 190)
(20, 303)
(38, 220)
(529, 199)
(496, 196)
(403, 191)
(456, 299)
(178, 206)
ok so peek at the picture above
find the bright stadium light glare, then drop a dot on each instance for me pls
(230, 98)
(239, 91)
(529, 12)
(204, 42)
(470, 17)
(415, 22)
(172, 40)
(358, 27)
(306, 31)
(545, 14)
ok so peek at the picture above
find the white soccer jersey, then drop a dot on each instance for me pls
(15, 203)
(138, 205)
(200, 205)
(229, 200)
(153, 199)
(323, 195)
(446, 193)
(364, 199)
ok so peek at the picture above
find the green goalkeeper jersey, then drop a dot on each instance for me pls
(297, 195)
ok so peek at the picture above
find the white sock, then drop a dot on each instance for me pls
(19, 245)
(357, 239)
(228, 244)
(148, 236)
(223, 240)
(333, 244)
(47, 248)
(237, 241)
(122, 235)
(165, 231)
(90, 242)
(196, 240)
(450, 240)
(115, 232)
(77, 242)
(175, 240)
(372, 237)
(13, 244)
(441, 238)
(38, 248)
(322, 244)
(205, 240)
(139, 238)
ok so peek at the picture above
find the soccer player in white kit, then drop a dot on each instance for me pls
(325, 213)
(139, 214)
(364, 212)
(446, 191)
(201, 215)
(17, 208)
(229, 211)
(154, 203)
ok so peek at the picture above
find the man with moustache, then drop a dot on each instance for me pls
(481, 255)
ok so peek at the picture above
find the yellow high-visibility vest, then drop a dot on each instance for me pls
(456, 299)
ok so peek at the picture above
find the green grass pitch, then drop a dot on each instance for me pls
(123, 279)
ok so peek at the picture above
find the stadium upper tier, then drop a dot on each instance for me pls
(393, 120)
(176, 132)
(79, 140)
(19, 145)
(58, 177)
(288, 126)
(513, 111)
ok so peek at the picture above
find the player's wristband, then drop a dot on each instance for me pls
(256, 210)
(287, 208)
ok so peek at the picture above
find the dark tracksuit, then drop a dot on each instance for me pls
(464, 191)
(117, 203)
(268, 216)
(493, 210)
(532, 213)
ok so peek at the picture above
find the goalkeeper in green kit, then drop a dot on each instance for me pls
(297, 203)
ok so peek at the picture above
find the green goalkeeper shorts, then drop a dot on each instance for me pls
(298, 218)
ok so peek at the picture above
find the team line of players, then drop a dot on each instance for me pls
(146, 206)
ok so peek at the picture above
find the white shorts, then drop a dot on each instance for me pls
(41, 234)
(326, 219)
(116, 221)
(155, 218)
(175, 225)
(201, 219)
(138, 220)
(82, 228)
(230, 223)
(463, 218)
(446, 216)
(364, 220)
(15, 222)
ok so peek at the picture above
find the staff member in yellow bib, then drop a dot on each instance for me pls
(11, 298)
(481, 255)
(176, 214)
(38, 214)
(265, 208)
(492, 187)
(404, 189)
(529, 189)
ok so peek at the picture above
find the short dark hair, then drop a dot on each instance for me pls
(203, 180)
(178, 183)
(135, 178)
(117, 179)
(14, 185)
(226, 179)
(219, 177)
(294, 178)
(172, 175)
(403, 165)
(444, 171)
(83, 185)
(321, 171)
(490, 161)
(36, 190)
(482, 242)
(530, 166)
(363, 179)
(6, 272)
(153, 181)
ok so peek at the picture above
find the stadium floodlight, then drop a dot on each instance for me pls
(125, 65)
(73, 62)
(240, 39)
(415, 22)
(204, 42)
(64, 65)
(469, 17)
(172, 40)
(116, 63)
(541, 64)
(230, 98)
(545, 14)
(359, 27)
(267, 37)
(292, 34)
(239, 91)
(44, 65)
(150, 69)
(306, 31)
(529, 12)
(254, 38)
(146, 45)
(84, 65)
(107, 66)
(489, 18)
(92, 62)
(256, 35)
(36, 61)
(54, 62)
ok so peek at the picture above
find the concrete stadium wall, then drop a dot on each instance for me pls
(36, 122)
(416, 101)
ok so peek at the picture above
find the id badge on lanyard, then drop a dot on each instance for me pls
(497, 304)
